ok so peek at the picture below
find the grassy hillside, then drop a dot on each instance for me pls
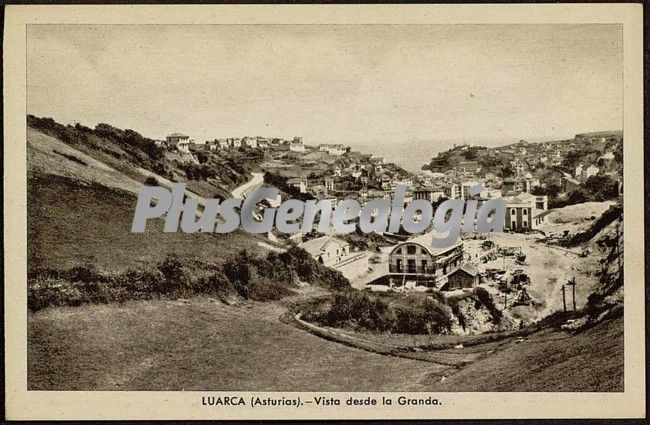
(548, 361)
(202, 345)
(72, 222)
(168, 345)
(136, 156)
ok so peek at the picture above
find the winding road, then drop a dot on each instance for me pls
(254, 183)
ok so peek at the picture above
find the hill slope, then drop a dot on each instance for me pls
(80, 211)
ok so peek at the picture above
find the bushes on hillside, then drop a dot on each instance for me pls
(409, 315)
(197, 172)
(141, 150)
(245, 275)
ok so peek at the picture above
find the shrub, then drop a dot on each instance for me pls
(174, 275)
(252, 277)
(215, 283)
(151, 181)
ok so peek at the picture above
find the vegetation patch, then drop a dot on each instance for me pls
(242, 275)
(413, 314)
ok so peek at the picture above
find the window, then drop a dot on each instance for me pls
(411, 249)
(399, 265)
(411, 266)
(513, 211)
(424, 265)
(525, 211)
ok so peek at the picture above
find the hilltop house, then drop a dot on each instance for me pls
(335, 150)
(251, 142)
(234, 142)
(296, 145)
(179, 141)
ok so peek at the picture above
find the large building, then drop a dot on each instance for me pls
(525, 212)
(416, 260)
(459, 191)
(429, 194)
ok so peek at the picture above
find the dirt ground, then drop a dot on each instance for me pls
(573, 218)
(548, 267)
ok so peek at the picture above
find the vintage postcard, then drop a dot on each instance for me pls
(302, 212)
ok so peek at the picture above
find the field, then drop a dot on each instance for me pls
(199, 344)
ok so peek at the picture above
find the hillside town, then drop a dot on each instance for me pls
(534, 178)
(325, 209)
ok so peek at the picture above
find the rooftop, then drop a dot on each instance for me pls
(468, 268)
(425, 241)
(322, 244)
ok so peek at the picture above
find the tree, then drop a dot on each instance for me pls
(602, 187)
(578, 196)
(538, 191)
(507, 171)
(553, 190)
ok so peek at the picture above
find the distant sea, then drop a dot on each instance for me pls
(412, 155)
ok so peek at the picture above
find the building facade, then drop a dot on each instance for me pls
(465, 277)
(525, 212)
(416, 259)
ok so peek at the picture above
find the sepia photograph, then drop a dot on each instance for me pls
(326, 208)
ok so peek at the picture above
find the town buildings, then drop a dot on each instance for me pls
(296, 145)
(334, 150)
(429, 194)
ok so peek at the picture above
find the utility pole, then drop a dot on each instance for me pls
(572, 283)
(563, 298)
(574, 294)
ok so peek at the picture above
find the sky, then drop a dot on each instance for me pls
(417, 88)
